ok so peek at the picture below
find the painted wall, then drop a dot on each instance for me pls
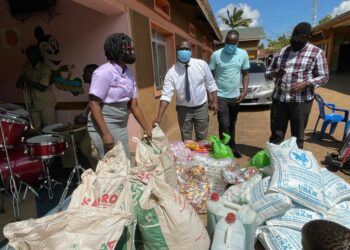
(80, 32)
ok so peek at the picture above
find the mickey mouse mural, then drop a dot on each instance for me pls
(51, 52)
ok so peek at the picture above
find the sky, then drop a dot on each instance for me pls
(278, 17)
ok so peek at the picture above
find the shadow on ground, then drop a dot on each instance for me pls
(328, 141)
(343, 78)
(248, 150)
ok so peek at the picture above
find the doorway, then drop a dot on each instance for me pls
(344, 58)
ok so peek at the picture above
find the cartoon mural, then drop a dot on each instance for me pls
(51, 52)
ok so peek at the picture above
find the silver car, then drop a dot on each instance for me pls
(259, 89)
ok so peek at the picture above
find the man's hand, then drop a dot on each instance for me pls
(297, 87)
(278, 73)
(108, 142)
(213, 106)
(155, 122)
(148, 134)
(242, 96)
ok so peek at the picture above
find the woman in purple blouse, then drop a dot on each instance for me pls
(113, 94)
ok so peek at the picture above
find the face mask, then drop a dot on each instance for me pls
(297, 45)
(230, 49)
(129, 58)
(184, 55)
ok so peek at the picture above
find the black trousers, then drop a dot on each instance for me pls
(227, 117)
(282, 113)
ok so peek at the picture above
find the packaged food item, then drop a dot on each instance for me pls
(191, 144)
(232, 174)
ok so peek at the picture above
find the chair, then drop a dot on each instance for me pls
(332, 118)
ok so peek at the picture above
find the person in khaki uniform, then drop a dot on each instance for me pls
(82, 138)
(36, 77)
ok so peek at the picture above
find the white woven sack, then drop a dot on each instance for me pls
(259, 189)
(167, 221)
(269, 206)
(336, 189)
(295, 218)
(298, 175)
(273, 238)
(340, 214)
(159, 138)
(149, 156)
(114, 161)
(79, 228)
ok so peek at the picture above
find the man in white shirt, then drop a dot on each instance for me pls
(193, 82)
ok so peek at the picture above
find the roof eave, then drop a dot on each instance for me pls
(208, 13)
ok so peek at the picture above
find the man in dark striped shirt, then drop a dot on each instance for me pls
(298, 69)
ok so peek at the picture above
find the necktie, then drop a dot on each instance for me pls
(187, 85)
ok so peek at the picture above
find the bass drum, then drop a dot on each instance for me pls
(28, 169)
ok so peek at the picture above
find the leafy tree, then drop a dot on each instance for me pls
(261, 46)
(325, 19)
(235, 19)
(279, 43)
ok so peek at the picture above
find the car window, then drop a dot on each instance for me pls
(257, 67)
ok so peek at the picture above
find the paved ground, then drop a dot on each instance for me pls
(252, 133)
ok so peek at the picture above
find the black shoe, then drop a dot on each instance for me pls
(236, 153)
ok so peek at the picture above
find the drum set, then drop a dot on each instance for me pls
(27, 162)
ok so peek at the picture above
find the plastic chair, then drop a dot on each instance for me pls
(332, 118)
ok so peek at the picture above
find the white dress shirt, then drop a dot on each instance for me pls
(200, 78)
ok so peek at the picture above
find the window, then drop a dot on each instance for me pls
(159, 49)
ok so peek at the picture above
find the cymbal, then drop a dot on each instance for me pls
(69, 128)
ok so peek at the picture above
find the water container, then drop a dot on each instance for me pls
(229, 234)
(218, 207)
(248, 218)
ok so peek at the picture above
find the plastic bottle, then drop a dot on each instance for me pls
(217, 208)
(229, 234)
(248, 218)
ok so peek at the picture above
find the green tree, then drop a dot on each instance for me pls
(235, 19)
(325, 19)
(279, 43)
(261, 46)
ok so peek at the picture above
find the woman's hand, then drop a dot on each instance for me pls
(108, 142)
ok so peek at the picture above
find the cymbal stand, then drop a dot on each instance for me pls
(13, 185)
(49, 183)
(75, 170)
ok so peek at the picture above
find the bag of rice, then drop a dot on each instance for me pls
(298, 175)
(259, 189)
(279, 238)
(336, 189)
(295, 218)
(269, 206)
(340, 214)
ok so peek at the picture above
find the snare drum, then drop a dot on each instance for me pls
(14, 110)
(13, 128)
(46, 146)
(28, 169)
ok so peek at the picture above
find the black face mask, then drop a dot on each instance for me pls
(297, 45)
(129, 58)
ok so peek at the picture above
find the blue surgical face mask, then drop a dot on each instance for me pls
(230, 49)
(184, 55)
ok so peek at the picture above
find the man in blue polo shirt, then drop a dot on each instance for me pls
(228, 65)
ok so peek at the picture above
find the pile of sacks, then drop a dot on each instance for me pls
(298, 191)
(110, 204)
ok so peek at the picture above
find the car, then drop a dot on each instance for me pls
(259, 89)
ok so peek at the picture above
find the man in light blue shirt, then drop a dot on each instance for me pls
(227, 65)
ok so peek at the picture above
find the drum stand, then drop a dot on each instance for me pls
(49, 183)
(75, 170)
(14, 191)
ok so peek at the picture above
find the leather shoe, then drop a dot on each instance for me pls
(236, 153)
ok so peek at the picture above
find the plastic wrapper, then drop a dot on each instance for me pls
(232, 174)
(193, 184)
(220, 148)
(191, 144)
(179, 152)
(260, 159)
(213, 168)
(241, 193)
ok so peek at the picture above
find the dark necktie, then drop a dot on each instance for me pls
(187, 85)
